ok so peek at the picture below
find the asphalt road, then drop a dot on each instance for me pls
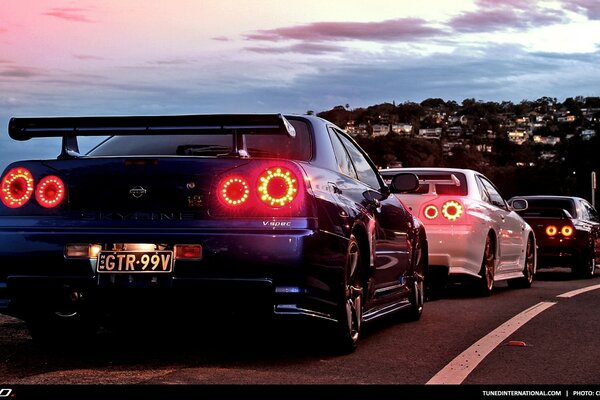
(560, 345)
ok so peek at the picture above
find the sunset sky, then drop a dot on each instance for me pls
(110, 57)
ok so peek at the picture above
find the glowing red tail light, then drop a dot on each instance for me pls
(261, 188)
(551, 230)
(566, 230)
(233, 191)
(50, 191)
(452, 210)
(277, 187)
(431, 212)
(17, 187)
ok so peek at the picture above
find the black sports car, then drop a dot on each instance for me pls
(252, 213)
(567, 229)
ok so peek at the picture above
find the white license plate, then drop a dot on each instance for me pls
(132, 262)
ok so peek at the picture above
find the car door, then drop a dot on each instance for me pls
(384, 216)
(510, 225)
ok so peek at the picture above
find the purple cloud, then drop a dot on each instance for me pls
(302, 48)
(19, 72)
(221, 38)
(69, 14)
(496, 15)
(589, 7)
(87, 57)
(384, 31)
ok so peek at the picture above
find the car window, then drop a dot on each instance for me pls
(364, 170)
(342, 157)
(565, 204)
(493, 196)
(258, 145)
(592, 214)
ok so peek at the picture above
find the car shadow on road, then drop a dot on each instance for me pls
(146, 345)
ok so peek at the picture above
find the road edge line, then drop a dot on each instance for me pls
(458, 369)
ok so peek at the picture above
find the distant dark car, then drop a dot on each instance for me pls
(567, 231)
(255, 214)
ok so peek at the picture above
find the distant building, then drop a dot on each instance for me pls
(430, 133)
(518, 136)
(549, 140)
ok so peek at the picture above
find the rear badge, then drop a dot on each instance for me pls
(137, 192)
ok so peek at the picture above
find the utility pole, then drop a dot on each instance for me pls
(594, 189)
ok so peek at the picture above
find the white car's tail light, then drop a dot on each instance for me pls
(452, 210)
(431, 212)
(17, 187)
(50, 191)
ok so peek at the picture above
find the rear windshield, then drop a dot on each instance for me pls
(258, 145)
(565, 204)
(447, 187)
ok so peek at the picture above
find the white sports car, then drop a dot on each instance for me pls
(471, 229)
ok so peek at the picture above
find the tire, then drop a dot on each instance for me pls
(586, 266)
(351, 304)
(486, 283)
(417, 296)
(528, 272)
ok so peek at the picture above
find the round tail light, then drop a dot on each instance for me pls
(566, 230)
(431, 212)
(17, 187)
(551, 230)
(452, 210)
(277, 187)
(50, 191)
(233, 191)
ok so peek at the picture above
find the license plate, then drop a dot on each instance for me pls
(131, 262)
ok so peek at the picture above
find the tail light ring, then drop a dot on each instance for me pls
(431, 212)
(50, 191)
(452, 210)
(277, 187)
(551, 230)
(17, 187)
(566, 230)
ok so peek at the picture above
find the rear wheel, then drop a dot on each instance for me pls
(586, 267)
(350, 314)
(527, 279)
(417, 296)
(486, 284)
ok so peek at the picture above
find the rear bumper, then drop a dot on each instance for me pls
(458, 248)
(558, 252)
(278, 272)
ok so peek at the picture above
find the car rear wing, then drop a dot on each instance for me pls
(444, 180)
(69, 128)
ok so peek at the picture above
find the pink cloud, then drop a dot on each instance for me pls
(384, 31)
(221, 38)
(69, 14)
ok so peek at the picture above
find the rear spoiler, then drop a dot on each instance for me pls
(451, 180)
(69, 128)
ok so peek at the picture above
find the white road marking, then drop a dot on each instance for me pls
(458, 369)
(572, 293)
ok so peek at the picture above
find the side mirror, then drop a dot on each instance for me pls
(404, 182)
(519, 204)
